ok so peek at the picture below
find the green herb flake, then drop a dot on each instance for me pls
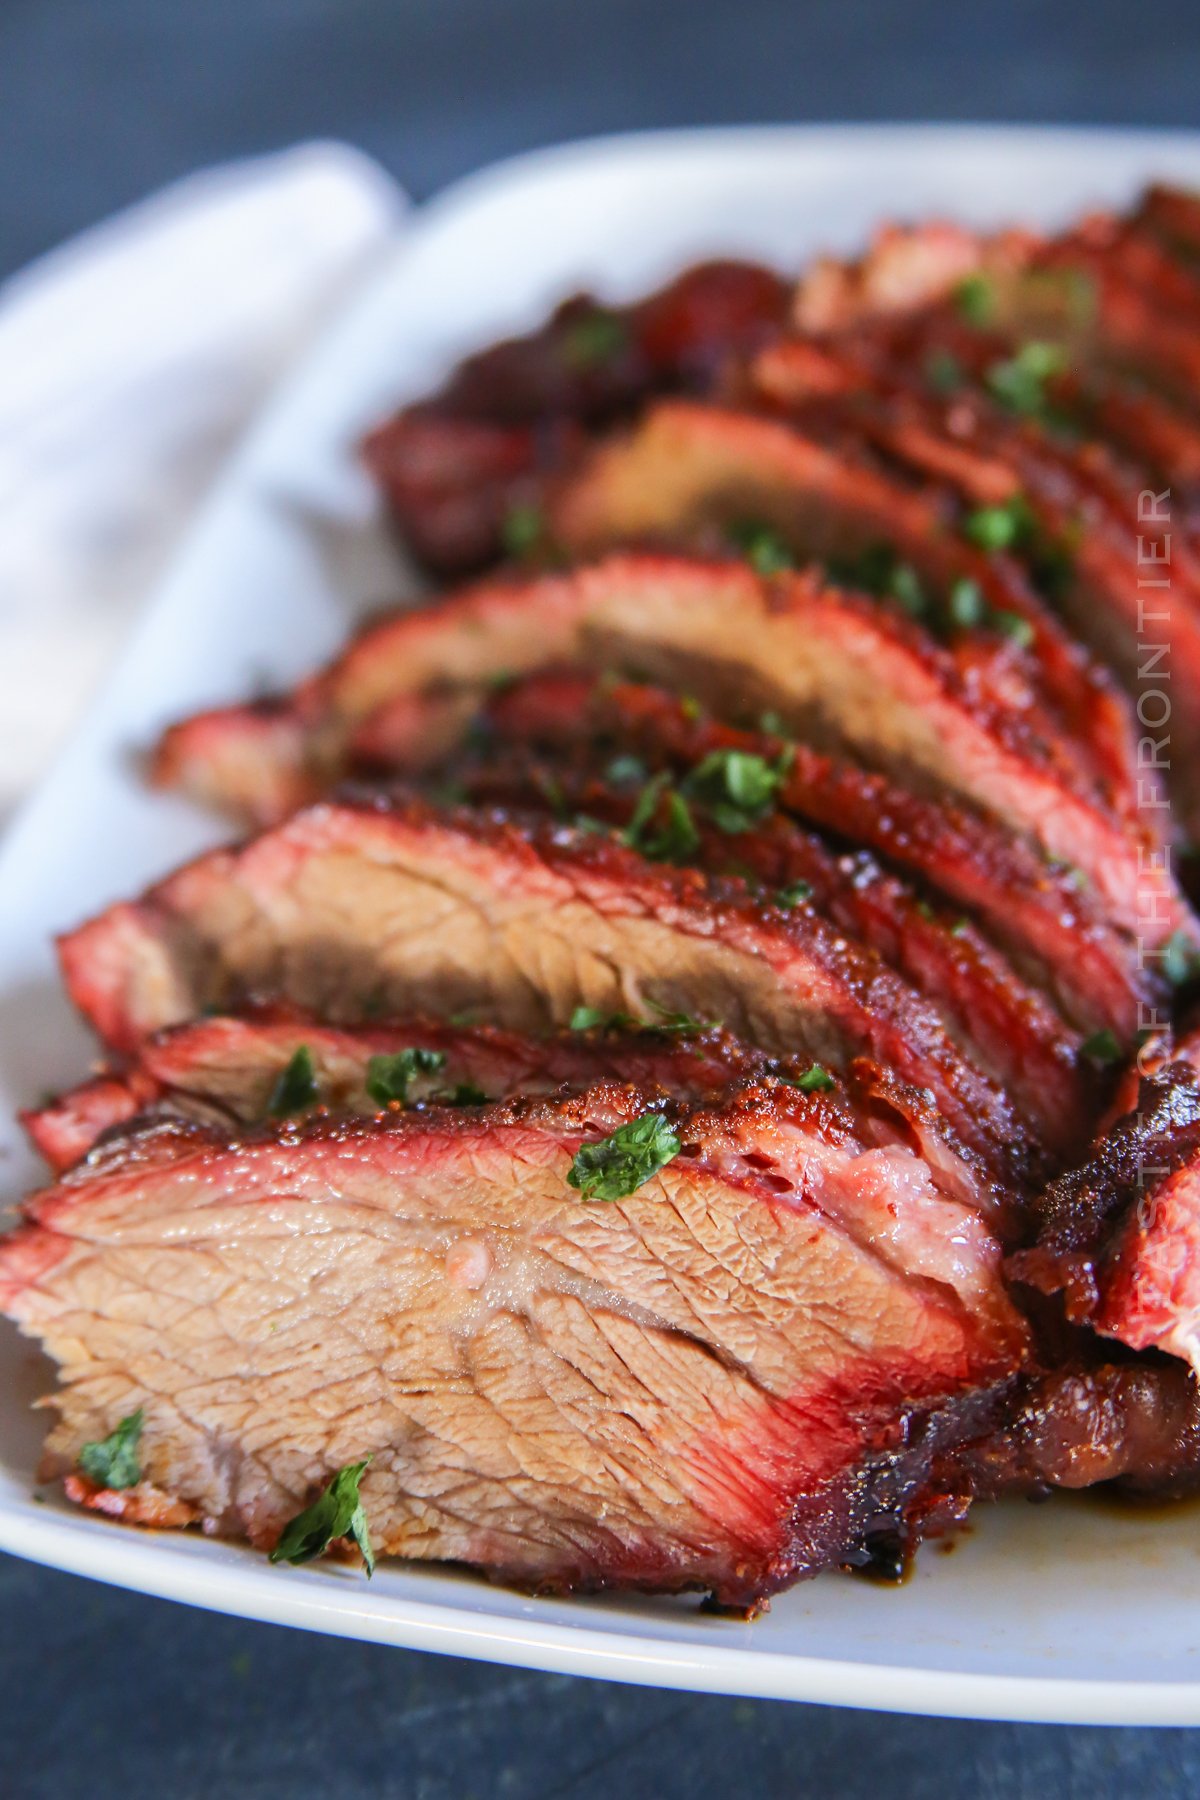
(625, 771)
(596, 337)
(296, 1088)
(772, 723)
(691, 708)
(737, 787)
(465, 1094)
(1014, 627)
(591, 1018)
(905, 587)
(388, 1077)
(815, 1080)
(967, 605)
(1072, 877)
(1180, 958)
(1002, 527)
(1019, 381)
(975, 298)
(764, 548)
(960, 928)
(114, 1462)
(1102, 1047)
(671, 840)
(678, 839)
(679, 1023)
(618, 1165)
(795, 894)
(879, 571)
(522, 531)
(337, 1513)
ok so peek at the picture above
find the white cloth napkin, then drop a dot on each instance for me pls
(130, 360)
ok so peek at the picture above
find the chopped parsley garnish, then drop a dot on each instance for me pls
(591, 1018)
(772, 723)
(1005, 526)
(551, 789)
(522, 530)
(1017, 630)
(1102, 1047)
(905, 586)
(617, 1166)
(1011, 525)
(975, 298)
(815, 1080)
(672, 839)
(465, 1094)
(388, 1077)
(764, 548)
(967, 604)
(685, 1024)
(879, 571)
(795, 894)
(595, 337)
(337, 1513)
(624, 771)
(1180, 958)
(114, 1462)
(1019, 381)
(296, 1088)
(736, 787)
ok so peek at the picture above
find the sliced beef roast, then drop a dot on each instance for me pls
(1043, 914)
(396, 908)
(1001, 1024)
(459, 470)
(696, 1384)
(825, 663)
(235, 1069)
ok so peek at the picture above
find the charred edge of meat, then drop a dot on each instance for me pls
(1083, 1213)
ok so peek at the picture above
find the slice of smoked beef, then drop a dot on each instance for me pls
(393, 908)
(717, 1382)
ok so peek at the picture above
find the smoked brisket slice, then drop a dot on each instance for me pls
(699, 476)
(397, 909)
(1077, 506)
(1004, 1027)
(1042, 914)
(457, 468)
(700, 1386)
(225, 1069)
(830, 666)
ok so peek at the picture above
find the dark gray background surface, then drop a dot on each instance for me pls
(103, 1693)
